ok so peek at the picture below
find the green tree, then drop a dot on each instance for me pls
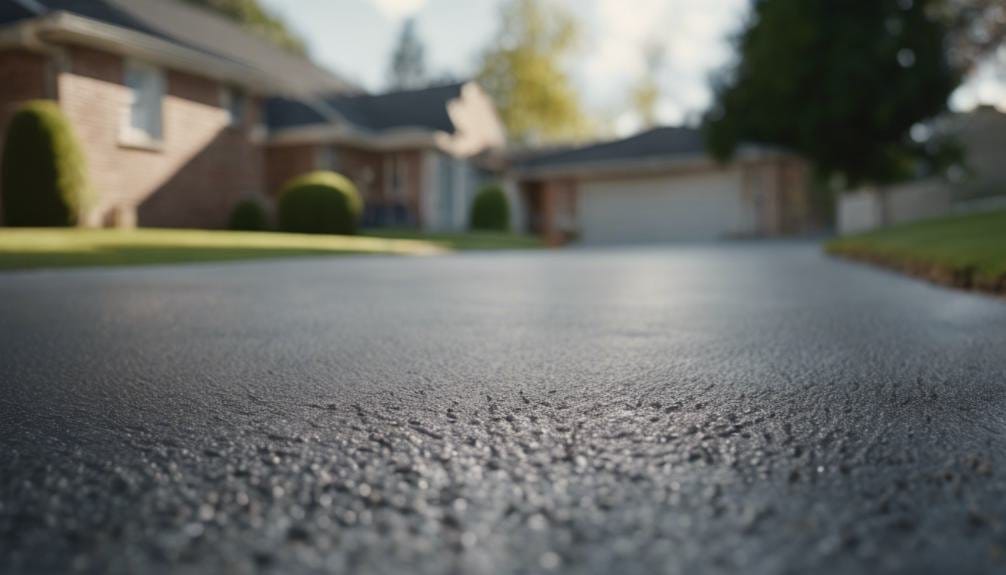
(843, 83)
(523, 71)
(250, 14)
(408, 61)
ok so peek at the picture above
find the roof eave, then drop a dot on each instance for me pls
(651, 165)
(64, 27)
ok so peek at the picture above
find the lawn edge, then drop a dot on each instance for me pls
(962, 278)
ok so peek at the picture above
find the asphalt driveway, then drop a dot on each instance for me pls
(730, 409)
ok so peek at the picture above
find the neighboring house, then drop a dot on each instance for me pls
(980, 184)
(182, 114)
(659, 186)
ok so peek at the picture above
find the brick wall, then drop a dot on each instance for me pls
(23, 76)
(193, 179)
(283, 163)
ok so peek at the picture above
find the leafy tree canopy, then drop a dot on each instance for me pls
(523, 71)
(843, 83)
(250, 14)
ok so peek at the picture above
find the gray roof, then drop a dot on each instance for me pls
(193, 28)
(423, 109)
(657, 143)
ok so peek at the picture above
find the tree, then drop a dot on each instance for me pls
(408, 61)
(646, 93)
(978, 28)
(523, 71)
(842, 83)
(251, 15)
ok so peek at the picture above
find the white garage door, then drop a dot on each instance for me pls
(661, 209)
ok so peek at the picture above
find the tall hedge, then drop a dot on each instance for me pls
(43, 173)
(320, 203)
(490, 210)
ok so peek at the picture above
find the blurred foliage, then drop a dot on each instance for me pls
(251, 15)
(43, 171)
(523, 72)
(646, 93)
(490, 210)
(408, 61)
(842, 83)
(248, 215)
(978, 29)
(320, 203)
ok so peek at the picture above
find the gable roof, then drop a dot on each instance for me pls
(195, 29)
(667, 143)
(423, 109)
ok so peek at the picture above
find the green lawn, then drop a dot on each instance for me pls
(968, 251)
(464, 241)
(30, 248)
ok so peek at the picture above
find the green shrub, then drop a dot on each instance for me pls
(490, 210)
(43, 173)
(249, 216)
(320, 203)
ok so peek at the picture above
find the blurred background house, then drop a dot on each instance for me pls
(183, 113)
(607, 123)
(659, 186)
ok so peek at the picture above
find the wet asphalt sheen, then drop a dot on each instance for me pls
(721, 409)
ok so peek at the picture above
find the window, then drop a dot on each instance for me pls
(146, 93)
(235, 101)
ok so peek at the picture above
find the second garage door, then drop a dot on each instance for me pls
(663, 209)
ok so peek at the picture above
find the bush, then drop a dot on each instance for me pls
(320, 203)
(248, 216)
(43, 173)
(490, 210)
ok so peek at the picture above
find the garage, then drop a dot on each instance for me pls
(656, 187)
(695, 207)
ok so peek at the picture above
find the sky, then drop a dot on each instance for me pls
(356, 37)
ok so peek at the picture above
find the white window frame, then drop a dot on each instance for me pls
(147, 131)
(234, 101)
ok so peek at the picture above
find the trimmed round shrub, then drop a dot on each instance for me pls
(43, 173)
(490, 210)
(320, 203)
(249, 216)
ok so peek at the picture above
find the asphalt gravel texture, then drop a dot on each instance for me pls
(740, 408)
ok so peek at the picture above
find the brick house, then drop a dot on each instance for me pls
(182, 114)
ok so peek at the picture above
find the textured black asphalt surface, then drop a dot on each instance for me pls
(729, 409)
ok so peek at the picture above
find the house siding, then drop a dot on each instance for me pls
(192, 179)
(283, 163)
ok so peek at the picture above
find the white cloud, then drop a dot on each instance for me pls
(399, 8)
